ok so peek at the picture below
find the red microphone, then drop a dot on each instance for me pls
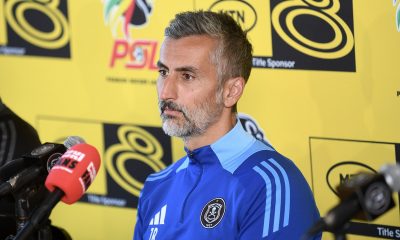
(74, 172)
(67, 181)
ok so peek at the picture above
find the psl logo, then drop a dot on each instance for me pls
(122, 16)
(33, 27)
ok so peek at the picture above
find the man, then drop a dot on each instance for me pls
(230, 185)
(17, 137)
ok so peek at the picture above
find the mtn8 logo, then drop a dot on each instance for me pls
(49, 32)
(286, 13)
(137, 151)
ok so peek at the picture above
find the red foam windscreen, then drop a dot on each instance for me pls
(74, 172)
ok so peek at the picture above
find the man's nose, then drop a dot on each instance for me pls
(167, 88)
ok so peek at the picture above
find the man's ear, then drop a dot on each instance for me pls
(233, 89)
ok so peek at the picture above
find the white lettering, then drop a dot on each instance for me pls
(259, 62)
(271, 63)
(73, 154)
(385, 232)
(280, 63)
(12, 50)
(106, 200)
(398, 233)
(92, 171)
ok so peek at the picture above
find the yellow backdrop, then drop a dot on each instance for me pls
(325, 91)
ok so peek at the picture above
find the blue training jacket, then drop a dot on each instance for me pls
(235, 188)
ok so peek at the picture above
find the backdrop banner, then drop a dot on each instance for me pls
(324, 91)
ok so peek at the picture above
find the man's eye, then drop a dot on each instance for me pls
(162, 72)
(187, 76)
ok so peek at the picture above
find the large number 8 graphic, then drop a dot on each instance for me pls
(14, 11)
(135, 145)
(284, 14)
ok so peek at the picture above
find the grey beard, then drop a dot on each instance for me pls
(195, 122)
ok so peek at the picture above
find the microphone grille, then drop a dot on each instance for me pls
(73, 140)
(392, 176)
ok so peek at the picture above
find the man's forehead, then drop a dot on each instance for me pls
(187, 50)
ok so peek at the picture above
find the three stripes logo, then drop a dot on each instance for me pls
(158, 219)
(271, 171)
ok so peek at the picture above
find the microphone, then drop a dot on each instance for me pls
(67, 181)
(39, 155)
(365, 196)
(73, 140)
(74, 172)
(33, 165)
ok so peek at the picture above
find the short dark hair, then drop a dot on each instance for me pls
(233, 56)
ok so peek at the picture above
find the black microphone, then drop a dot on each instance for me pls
(38, 156)
(66, 182)
(365, 196)
(34, 166)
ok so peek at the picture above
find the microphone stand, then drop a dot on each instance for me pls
(339, 233)
(40, 217)
(340, 236)
(25, 202)
(21, 211)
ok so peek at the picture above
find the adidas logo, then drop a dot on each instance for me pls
(159, 218)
